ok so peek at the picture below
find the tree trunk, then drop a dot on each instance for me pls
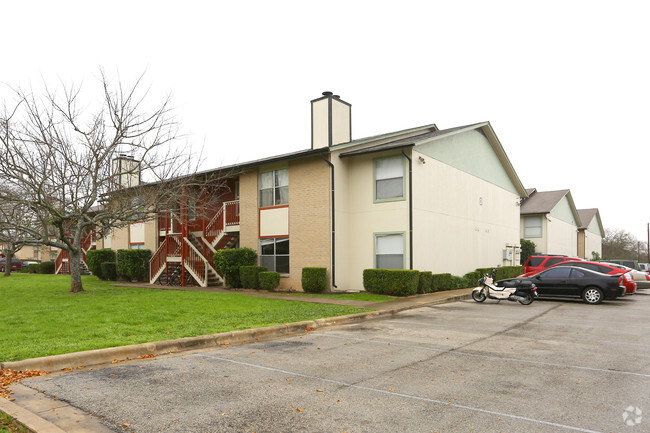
(75, 272)
(8, 257)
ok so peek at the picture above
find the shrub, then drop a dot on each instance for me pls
(426, 278)
(527, 250)
(440, 282)
(133, 264)
(109, 271)
(34, 268)
(249, 276)
(508, 272)
(95, 258)
(228, 261)
(392, 282)
(47, 268)
(462, 283)
(314, 280)
(269, 280)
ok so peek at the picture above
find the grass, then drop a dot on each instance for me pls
(40, 317)
(7, 425)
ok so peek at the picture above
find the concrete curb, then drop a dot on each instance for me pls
(27, 419)
(122, 353)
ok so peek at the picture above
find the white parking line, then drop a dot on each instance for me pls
(399, 394)
(501, 358)
(430, 325)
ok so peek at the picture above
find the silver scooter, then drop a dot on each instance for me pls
(523, 291)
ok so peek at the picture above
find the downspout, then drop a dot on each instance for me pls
(410, 209)
(333, 221)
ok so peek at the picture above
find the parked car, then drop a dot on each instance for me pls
(540, 262)
(604, 268)
(571, 281)
(16, 264)
(645, 267)
(641, 278)
(625, 262)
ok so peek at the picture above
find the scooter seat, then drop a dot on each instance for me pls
(510, 284)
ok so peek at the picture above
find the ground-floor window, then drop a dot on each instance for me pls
(274, 254)
(389, 251)
(138, 246)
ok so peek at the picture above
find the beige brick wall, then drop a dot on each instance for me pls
(248, 211)
(309, 219)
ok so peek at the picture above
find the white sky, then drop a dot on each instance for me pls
(563, 83)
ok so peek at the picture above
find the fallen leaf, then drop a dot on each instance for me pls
(298, 409)
(391, 389)
(319, 390)
(115, 361)
(174, 420)
(309, 328)
(7, 377)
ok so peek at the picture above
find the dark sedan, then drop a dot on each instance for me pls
(571, 281)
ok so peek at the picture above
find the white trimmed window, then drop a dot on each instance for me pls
(274, 188)
(389, 178)
(533, 226)
(274, 254)
(389, 251)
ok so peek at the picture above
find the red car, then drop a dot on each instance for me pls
(627, 279)
(537, 263)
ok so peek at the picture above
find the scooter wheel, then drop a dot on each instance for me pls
(478, 296)
(528, 299)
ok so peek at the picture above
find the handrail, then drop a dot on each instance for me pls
(157, 261)
(232, 212)
(215, 227)
(195, 262)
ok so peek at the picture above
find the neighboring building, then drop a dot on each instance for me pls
(550, 220)
(421, 198)
(590, 234)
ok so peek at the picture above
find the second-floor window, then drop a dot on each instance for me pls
(274, 188)
(389, 178)
(533, 226)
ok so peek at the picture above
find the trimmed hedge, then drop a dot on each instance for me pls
(425, 283)
(133, 264)
(440, 282)
(314, 280)
(269, 280)
(392, 282)
(249, 276)
(47, 268)
(228, 261)
(109, 271)
(95, 258)
(508, 272)
(34, 268)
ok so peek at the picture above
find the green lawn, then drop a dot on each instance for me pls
(41, 317)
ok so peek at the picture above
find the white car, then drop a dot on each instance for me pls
(642, 279)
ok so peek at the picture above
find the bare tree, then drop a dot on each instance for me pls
(620, 244)
(58, 159)
(13, 239)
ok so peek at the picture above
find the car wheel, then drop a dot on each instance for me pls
(592, 295)
(478, 296)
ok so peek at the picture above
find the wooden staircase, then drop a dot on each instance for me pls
(195, 251)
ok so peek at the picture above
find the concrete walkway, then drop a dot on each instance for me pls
(40, 414)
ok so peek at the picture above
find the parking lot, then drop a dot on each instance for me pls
(463, 367)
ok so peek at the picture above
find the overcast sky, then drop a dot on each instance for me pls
(563, 83)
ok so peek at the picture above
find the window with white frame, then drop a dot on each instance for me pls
(389, 178)
(533, 226)
(274, 188)
(389, 251)
(274, 254)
